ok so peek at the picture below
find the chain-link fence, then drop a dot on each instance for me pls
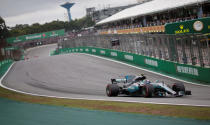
(185, 49)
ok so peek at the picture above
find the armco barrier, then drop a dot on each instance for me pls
(4, 65)
(179, 70)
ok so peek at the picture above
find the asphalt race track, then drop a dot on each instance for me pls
(85, 76)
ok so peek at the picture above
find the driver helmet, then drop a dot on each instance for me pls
(146, 82)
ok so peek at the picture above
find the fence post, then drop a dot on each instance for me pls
(200, 52)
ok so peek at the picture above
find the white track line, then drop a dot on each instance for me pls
(91, 99)
(147, 70)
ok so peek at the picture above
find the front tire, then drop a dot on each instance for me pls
(177, 87)
(112, 90)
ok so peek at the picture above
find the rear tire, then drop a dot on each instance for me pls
(112, 90)
(147, 90)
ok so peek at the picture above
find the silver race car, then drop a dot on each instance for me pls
(140, 86)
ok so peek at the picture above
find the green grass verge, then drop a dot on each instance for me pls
(201, 113)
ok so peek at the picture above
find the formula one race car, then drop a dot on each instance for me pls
(140, 86)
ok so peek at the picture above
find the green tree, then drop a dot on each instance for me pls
(4, 33)
(74, 25)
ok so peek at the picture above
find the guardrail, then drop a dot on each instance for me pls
(182, 71)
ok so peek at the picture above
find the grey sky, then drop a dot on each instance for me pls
(41, 11)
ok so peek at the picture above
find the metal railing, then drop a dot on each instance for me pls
(184, 49)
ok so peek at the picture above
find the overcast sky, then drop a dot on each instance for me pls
(41, 11)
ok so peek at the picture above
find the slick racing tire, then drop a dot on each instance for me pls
(112, 90)
(147, 90)
(178, 87)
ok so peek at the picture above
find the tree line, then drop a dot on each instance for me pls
(23, 29)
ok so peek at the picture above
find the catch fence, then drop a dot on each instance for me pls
(183, 49)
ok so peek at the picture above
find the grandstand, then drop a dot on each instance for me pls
(151, 17)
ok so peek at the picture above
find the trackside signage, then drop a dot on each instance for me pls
(11, 48)
(102, 52)
(192, 26)
(113, 54)
(33, 37)
(187, 70)
(128, 57)
(151, 62)
(24, 38)
(93, 50)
